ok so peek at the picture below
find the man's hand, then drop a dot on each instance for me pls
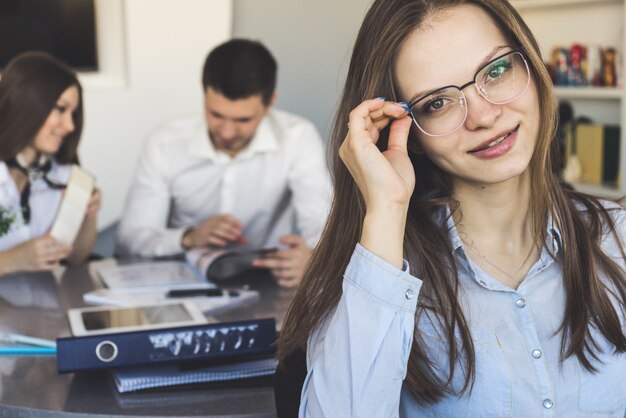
(216, 231)
(287, 264)
(43, 253)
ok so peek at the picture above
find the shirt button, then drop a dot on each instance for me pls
(547, 403)
(536, 353)
(520, 303)
(483, 283)
(409, 294)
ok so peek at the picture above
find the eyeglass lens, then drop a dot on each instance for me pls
(500, 81)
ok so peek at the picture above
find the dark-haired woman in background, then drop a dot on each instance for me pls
(41, 118)
(456, 277)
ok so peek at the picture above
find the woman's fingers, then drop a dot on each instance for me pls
(359, 115)
(389, 109)
(57, 251)
(399, 134)
(374, 115)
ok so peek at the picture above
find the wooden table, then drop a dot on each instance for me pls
(36, 304)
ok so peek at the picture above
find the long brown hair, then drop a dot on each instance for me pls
(29, 88)
(387, 25)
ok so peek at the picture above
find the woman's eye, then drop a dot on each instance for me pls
(60, 108)
(497, 70)
(434, 105)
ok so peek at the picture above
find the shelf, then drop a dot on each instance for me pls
(542, 4)
(600, 191)
(589, 93)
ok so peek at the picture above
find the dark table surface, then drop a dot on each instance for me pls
(35, 304)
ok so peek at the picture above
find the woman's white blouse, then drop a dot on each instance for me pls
(357, 360)
(44, 204)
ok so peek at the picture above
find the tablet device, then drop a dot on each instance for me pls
(106, 319)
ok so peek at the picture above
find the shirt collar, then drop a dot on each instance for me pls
(264, 140)
(4, 173)
(553, 234)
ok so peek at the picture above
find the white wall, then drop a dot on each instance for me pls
(166, 42)
(312, 42)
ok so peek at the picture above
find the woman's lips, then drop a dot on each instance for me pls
(496, 147)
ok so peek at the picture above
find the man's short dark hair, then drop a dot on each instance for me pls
(240, 68)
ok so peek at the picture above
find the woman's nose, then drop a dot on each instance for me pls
(481, 113)
(68, 122)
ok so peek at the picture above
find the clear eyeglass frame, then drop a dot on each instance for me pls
(481, 90)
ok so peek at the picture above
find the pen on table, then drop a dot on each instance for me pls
(185, 293)
(26, 339)
(27, 351)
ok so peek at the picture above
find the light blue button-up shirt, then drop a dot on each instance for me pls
(357, 359)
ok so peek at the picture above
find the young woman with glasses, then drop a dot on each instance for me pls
(41, 117)
(456, 277)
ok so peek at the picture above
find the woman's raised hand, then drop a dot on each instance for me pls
(384, 178)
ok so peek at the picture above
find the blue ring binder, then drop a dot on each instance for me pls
(216, 342)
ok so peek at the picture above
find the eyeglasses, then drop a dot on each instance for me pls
(500, 81)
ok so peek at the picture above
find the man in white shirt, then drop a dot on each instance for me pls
(233, 178)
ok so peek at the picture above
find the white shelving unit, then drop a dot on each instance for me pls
(523, 5)
(608, 93)
(593, 23)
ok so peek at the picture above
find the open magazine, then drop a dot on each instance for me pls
(221, 265)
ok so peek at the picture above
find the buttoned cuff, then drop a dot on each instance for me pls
(382, 281)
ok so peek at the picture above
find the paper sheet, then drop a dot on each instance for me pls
(73, 207)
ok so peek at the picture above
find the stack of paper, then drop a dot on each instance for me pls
(151, 282)
(230, 299)
(148, 274)
(131, 379)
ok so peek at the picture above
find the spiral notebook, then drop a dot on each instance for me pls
(138, 378)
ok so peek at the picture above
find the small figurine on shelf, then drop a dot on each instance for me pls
(609, 70)
(561, 63)
(594, 71)
(578, 59)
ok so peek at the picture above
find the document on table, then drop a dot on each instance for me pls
(209, 305)
(148, 275)
(73, 207)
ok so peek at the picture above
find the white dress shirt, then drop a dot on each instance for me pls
(44, 203)
(181, 180)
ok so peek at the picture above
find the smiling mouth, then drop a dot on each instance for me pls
(494, 142)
